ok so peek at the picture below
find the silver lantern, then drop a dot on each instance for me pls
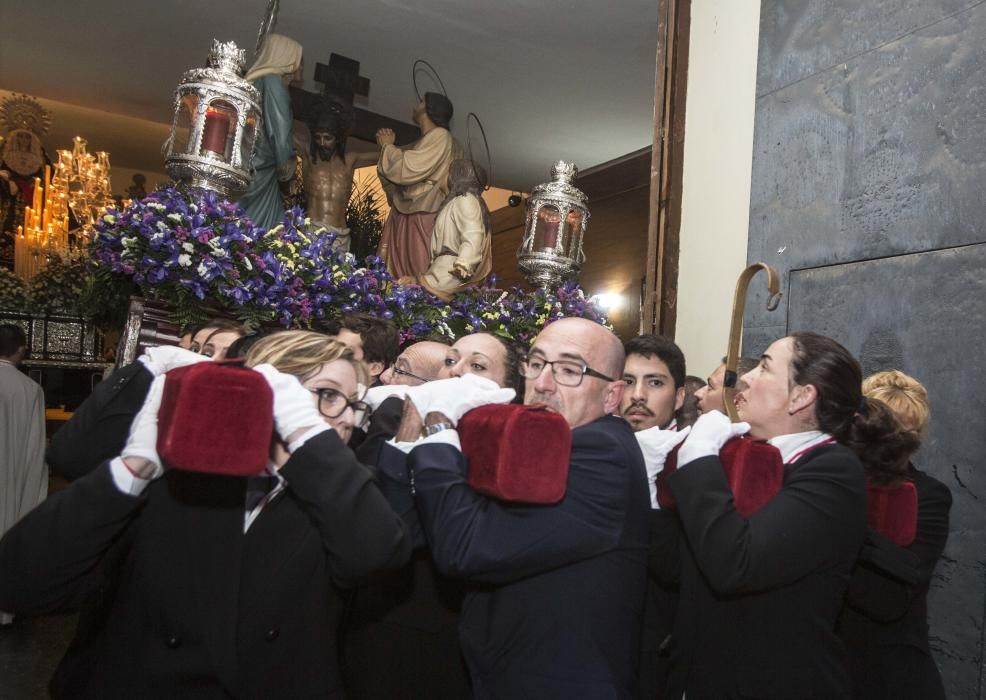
(551, 252)
(217, 113)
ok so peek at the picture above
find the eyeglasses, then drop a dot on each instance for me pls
(565, 372)
(333, 404)
(406, 373)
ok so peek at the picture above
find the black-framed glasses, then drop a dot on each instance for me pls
(332, 404)
(412, 375)
(565, 372)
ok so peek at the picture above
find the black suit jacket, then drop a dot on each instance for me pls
(198, 608)
(555, 592)
(400, 637)
(885, 623)
(760, 596)
(99, 428)
(384, 424)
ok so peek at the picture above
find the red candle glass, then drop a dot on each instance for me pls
(215, 132)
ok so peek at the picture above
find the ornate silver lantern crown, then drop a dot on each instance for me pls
(217, 114)
(557, 216)
(227, 58)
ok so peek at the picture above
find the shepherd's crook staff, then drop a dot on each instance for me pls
(736, 327)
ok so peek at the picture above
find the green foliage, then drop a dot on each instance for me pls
(13, 291)
(106, 298)
(59, 286)
(364, 220)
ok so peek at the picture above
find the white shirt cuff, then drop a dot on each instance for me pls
(695, 449)
(126, 481)
(444, 437)
(308, 435)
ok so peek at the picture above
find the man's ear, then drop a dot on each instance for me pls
(375, 369)
(802, 397)
(679, 398)
(613, 397)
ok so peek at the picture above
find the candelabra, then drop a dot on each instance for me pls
(82, 181)
(45, 229)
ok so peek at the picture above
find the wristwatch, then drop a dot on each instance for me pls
(429, 430)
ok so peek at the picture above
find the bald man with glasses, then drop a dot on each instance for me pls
(555, 593)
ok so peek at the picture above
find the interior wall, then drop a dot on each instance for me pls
(722, 70)
(122, 178)
(132, 143)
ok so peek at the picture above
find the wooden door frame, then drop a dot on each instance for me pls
(659, 312)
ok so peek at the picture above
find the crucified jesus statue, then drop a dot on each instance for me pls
(328, 171)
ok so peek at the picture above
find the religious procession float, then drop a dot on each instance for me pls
(258, 230)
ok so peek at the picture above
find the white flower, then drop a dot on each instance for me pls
(202, 270)
(188, 246)
(248, 264)
(185, 260)
(110, 219)
(175, 217)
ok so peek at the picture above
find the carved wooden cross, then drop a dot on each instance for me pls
(341, 82)
(341, 79)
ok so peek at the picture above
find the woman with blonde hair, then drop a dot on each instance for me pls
(885, 624)
(222, 586)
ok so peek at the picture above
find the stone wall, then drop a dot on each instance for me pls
(869, 196)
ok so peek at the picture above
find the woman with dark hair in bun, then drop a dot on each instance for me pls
(760, 595)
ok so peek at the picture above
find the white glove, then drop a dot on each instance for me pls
(710, 432)
(295, 407)
(142, 441)
(376, 395)
(164, 358)
(656, 445)
(457, 396)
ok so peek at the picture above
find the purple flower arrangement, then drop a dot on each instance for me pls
(202, 255)
(518, 314)
(190, 249)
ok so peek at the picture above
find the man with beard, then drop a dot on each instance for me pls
(654, 374)
(328, 171)
(655, 377)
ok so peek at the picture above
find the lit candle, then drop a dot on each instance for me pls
(548, 221)
(214, 134)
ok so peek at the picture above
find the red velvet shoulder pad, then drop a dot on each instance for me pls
(517, 453)
(216, 418)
